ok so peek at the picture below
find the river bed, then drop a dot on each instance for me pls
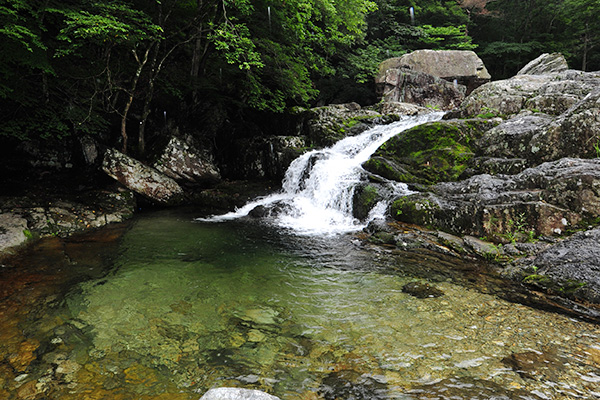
(167, 307)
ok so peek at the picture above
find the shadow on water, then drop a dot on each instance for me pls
(166, 308)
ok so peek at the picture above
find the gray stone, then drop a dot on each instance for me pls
(183, 161)
(463, 65)
(553, 94)
(12, 227)
(226, 393)
(408, 86)
(141, 178)
(571, 266)
(545, 64)
(544, 200)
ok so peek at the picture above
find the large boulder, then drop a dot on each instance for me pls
(570, 268)
(408, 86)
(545, 64)
(545, 200)
(182, 160)
(13, 228)
(429, 153)
(141, 178)
(464, 66)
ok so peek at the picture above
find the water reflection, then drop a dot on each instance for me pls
(180, 307)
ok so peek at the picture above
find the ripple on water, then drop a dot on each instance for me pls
(190, 306)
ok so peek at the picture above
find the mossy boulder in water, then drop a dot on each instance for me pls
(429, 153)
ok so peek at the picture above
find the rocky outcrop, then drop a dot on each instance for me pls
(435, 77)
(524, 178)
(141, 178)
(323, 126)
(570, 268)
(545, 64)
(551, 94)
(263, 157)
(546, 200)
(182, 160)
(29, 217)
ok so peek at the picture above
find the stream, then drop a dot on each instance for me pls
(172, 303)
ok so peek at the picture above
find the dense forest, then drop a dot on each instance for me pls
(117, 70)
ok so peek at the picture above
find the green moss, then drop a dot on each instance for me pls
(566, 287)
(418, 211)
(435, 152)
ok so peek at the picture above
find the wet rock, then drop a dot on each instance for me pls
(422, 290)
(428, 153)
(365, 197)
(182, 160)
(545, 64)
(323, 126)
(225, 393)
(263, 157)
(570, 268)
(400, 108)
(141, 178)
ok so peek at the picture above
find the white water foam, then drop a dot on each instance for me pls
(317, 192)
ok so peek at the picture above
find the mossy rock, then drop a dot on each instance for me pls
(419, 209)
(569, 288)
(430, 153)
(389, 169)
(365, 198)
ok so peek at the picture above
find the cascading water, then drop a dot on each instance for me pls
(318, 188)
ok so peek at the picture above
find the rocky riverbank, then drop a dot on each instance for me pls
(512, 175)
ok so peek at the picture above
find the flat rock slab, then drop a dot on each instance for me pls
(225, 393)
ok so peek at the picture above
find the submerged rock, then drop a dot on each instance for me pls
(422, 290)
(226, 393)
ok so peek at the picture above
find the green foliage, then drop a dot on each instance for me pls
(104, 24)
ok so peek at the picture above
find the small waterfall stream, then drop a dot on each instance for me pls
(318, 188)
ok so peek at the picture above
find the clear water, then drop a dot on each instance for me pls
(318, 187)
(176, 307)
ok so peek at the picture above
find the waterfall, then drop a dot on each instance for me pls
(318, 188)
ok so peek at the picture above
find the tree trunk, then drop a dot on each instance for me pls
(134, 82)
